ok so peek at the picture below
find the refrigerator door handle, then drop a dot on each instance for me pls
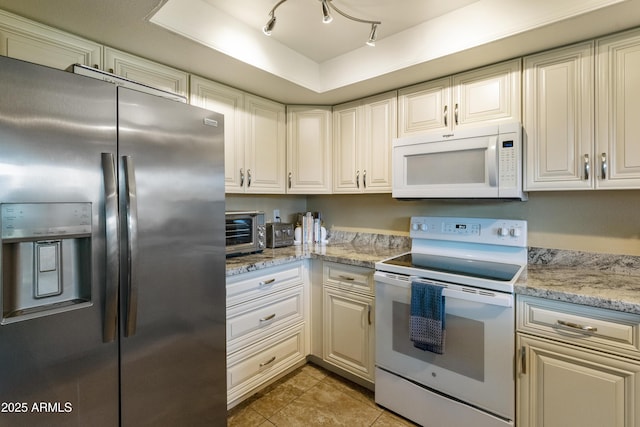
(112, 236)
(131, 209)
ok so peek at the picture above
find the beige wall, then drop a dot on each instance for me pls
(593, 221)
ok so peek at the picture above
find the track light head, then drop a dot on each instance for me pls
(372, 35)
(268, 28)
(326, 16)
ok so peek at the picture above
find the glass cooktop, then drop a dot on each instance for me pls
(460, 266)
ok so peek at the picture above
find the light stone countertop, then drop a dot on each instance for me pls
(345, 253)
(597, 280)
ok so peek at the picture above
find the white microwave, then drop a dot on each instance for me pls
(472, 163)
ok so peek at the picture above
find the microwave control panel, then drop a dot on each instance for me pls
(509, 167)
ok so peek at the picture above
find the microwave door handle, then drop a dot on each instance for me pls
(492, 161)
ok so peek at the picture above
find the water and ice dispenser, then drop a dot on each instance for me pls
(46, 259)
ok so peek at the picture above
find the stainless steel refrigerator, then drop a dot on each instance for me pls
(112, 262)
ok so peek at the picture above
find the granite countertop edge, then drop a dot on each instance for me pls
(596, 280)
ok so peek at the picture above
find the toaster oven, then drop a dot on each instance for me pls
(245, 232)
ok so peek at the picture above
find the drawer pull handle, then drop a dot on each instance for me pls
(269, 317)
(263, 364)
(348, 278)
(266, 282)
(577, 326)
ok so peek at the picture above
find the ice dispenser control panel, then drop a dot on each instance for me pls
(46, 255)
(44, 220)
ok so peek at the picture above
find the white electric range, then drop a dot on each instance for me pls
(477, 262)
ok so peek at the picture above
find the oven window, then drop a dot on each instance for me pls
(239, 231)
(465, 267)
(436, 168)
(463, 348)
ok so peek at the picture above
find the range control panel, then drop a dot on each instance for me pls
(504, 232)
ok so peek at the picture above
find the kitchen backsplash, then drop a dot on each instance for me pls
(620, 264)
(336, 236)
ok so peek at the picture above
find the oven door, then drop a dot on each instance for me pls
(477, 366)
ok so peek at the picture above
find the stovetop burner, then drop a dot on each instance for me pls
(460, 266)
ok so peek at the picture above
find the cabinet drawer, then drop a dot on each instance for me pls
(349, 278)
(254, 365)
(251, 321)
(591, 327)
(247, 286)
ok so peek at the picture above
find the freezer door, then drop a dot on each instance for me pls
(173, 262)
(55, 369)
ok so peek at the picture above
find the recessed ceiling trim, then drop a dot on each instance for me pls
(478, 23)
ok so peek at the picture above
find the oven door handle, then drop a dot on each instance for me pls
(476, 296)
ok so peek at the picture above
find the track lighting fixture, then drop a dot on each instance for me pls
(327, 5)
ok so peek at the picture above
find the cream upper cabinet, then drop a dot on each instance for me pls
(486, 94)
(618, 111)
(363, 132)
(265, 147)
(558, 118)
(254, 137)
(229, 102)
(37, 43)
(147, 72)
(309, 146)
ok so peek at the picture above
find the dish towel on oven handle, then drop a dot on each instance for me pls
(427, 326)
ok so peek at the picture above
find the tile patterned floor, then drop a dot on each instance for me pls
(312, 396)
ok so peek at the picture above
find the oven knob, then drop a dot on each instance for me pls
(503, 231)
(423, 227)
(415, 227)
(514, 232)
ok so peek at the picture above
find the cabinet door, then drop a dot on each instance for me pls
(265, 147)
(487, 94)
(346, 135)
(565, 386)
(425, 107)
(29, 41)
(230, 102)
(558, 118)
(618, 110)
(375, 152)
(348, 332)
(145, 71)
(308, 150)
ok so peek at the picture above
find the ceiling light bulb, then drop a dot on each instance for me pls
(270, 24)
(326, 16)
(372, 35)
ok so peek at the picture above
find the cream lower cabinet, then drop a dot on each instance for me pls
(577, 366)
(33, 42)
(348, 319)
(474, 97)
(363, 133)
(267, 327)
